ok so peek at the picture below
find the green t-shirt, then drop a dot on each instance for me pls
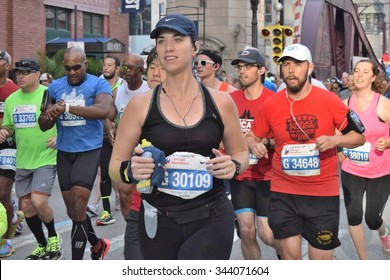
(21, 114)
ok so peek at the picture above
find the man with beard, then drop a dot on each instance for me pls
(303, 120)
(111, 69)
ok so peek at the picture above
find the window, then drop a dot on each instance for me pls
(57, 18)
(92, 24)
(268, 12)
(140, 23)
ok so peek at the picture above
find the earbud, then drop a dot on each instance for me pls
(309, 73)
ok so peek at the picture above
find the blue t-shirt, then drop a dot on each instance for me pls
(77, 134)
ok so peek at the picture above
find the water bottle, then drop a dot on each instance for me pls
(144, 186)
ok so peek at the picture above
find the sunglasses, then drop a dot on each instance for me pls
(75, 67)
(246, 66)
(132, 68)
(24, 72)
(202, 62)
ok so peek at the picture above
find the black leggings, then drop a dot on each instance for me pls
(105, 180)
(205, 239)
(377, 191)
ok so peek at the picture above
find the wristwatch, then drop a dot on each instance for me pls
(238, 167)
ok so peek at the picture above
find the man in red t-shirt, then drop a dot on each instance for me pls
(251, 190)
(7, 172)
(303, 120)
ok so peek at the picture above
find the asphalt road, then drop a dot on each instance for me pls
(26, 243)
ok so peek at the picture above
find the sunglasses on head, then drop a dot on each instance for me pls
(202, 62)
(127, 67)
(75, 67)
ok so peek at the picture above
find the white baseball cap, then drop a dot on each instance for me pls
(296, 51)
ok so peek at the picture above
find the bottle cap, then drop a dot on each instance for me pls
(145, 143)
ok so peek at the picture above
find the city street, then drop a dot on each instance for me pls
(26, 243)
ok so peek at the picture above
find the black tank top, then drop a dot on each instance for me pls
(200, 138)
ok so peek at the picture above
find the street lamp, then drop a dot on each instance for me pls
(254, 5)
(278, 8)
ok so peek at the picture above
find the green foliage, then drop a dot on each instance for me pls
(54, 64)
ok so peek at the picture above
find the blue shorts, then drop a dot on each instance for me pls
(316, 218)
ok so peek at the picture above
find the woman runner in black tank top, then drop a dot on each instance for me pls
(187, 122)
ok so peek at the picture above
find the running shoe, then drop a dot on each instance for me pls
(105, 219)
(99, 251)
(38, 254)
(385, 242)
(6, 249)
(53, 248)
(20, 215)
(93, 210)
(117, 203)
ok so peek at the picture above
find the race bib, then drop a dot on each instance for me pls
(301, 160)
(8, 159)
(25, 116)
(186, 175)
(68, 119)
(359, 155)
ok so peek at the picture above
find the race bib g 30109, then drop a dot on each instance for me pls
(186, 175)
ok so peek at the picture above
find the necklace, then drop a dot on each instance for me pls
(173, 104)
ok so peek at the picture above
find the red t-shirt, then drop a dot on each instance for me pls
(320, 113)
(247, 110)
(5, 91)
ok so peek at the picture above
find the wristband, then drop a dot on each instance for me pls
(67, 107)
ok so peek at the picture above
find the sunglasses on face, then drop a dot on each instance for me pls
(202, 62)
(132, 68)
(245, 66)
(75, 67)
(24, 72)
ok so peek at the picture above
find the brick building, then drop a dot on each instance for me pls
(26, 26)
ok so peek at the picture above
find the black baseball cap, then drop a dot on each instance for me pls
(178, 23)
(27, 64)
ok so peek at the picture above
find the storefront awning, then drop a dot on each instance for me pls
(92, 45)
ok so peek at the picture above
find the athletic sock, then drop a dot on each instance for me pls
(51, 228)
(35, 225)
(92, 238)
(79, 239)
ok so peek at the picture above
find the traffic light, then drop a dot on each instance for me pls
(266, 32)
(288, 31)
(277, 42)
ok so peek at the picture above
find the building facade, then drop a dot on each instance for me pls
(27, 26)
